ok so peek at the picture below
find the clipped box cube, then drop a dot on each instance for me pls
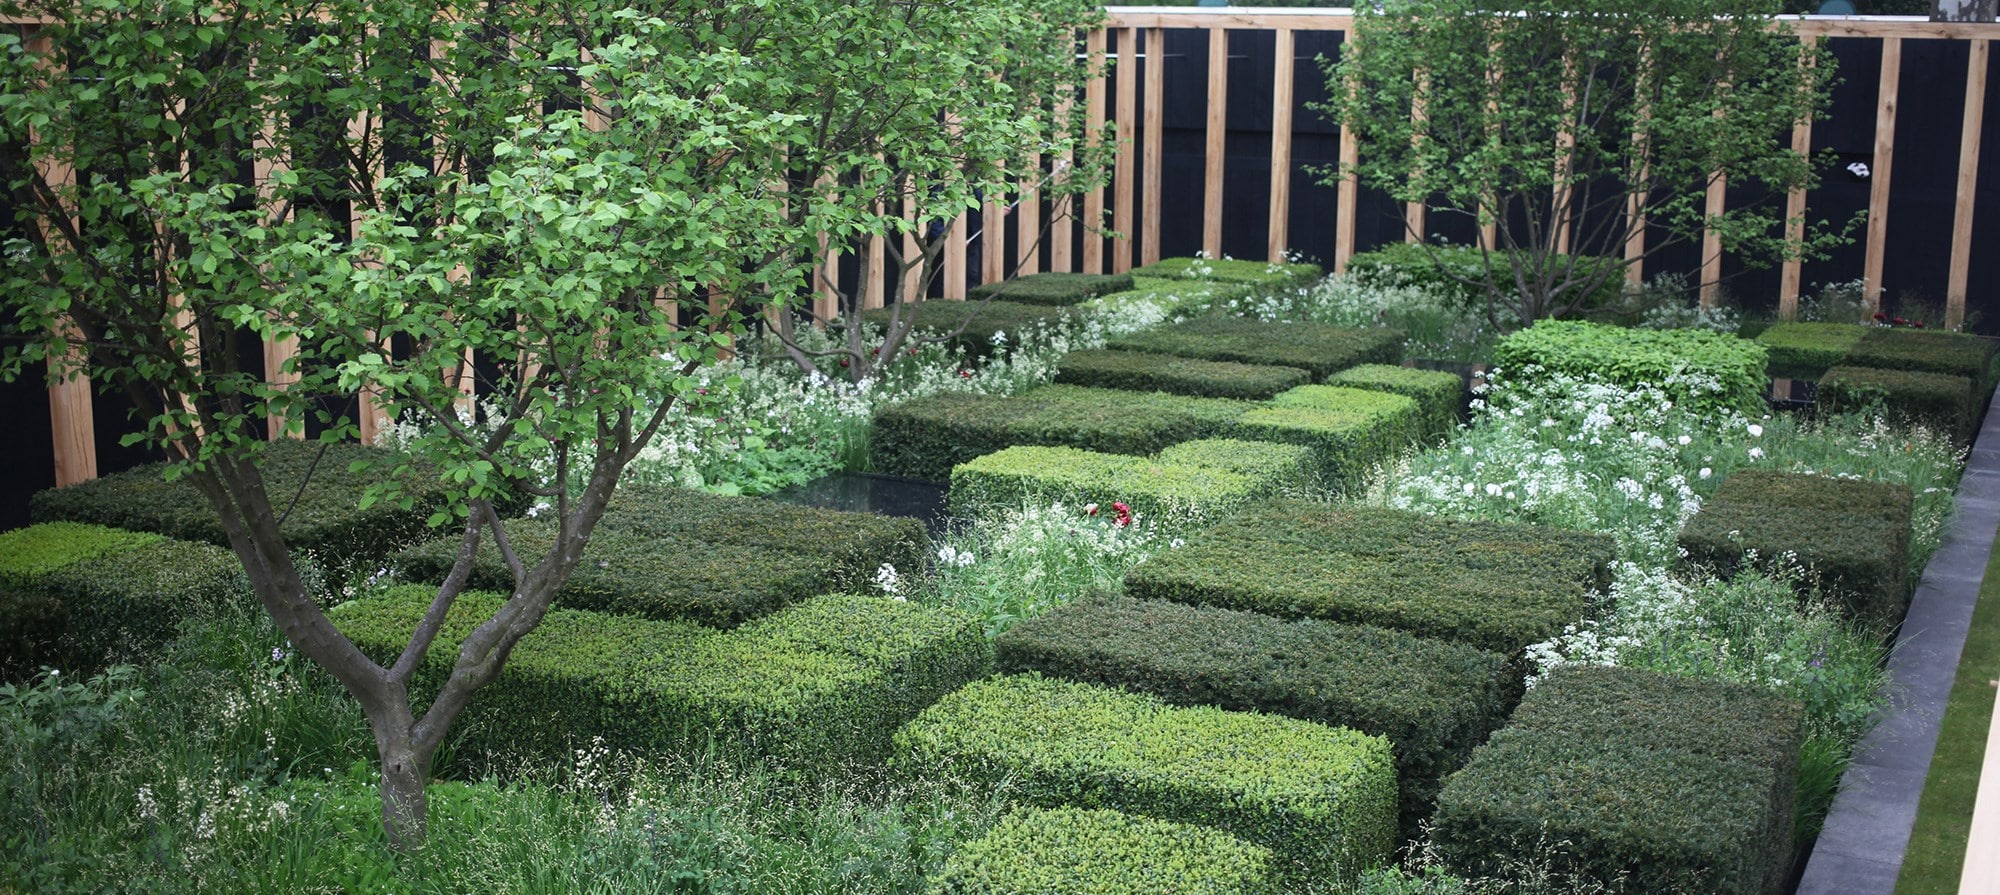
(1317, 348)
(1104, 852)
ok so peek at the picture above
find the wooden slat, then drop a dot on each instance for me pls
(1416, 214)
(1968, 183)
(1347, 192)
(1093, 117)
(1154, 143)
(826, 282)
(1711, 241)
(1791, 271)
(1560, 198)
(954, 258)
(1247, 19)
(1635, 202)
(1028, 223)
(872, 269)
(1880, 170)
(1217, 148)
(1889, 28)
(1281, 147)
(1121, 186)
(993, 243)
(72, 419)
(1062, 211)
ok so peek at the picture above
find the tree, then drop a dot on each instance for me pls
(1552, 121)
(595, 196)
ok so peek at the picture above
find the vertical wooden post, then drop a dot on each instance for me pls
(1561, 198)
(1635, 201)
(1121, 185)
(913, 273)
(1711, 241)
(1416, 215)
(1217, 147)
(1281, 147)
(1028, 223)
(872, 267)
(954, 259)
(1155, 140)
(993, 243)
(1879, 171)
(826, 282)
(1792, 270)
(1347, 192)
(1968, 183)
(1093, 118)
(72, 418)
(1062, 212)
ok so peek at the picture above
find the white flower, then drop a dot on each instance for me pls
(1756, 431)
(1756, 453)
(1494, 490)
(887, 579)
(1684, 440)
(1705, 472)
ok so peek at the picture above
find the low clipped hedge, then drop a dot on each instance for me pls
(1143, 372)
(1433, 700)
(817, 687)
(1807, 350)
(1940, 401)
(1054, 289)
(1154, 486)
(1100, 852)
(1925, 351)
(677, 554)
(1495, 586)
(1349, 430)
(972, 325)
(1186, 296)
(1445, 270)
(928, 436)
(1437, 393)
(1259, 274)
(1322, 798)
(1696, 367)
(73, 594)
(1854, 534)
(1634, 780)
(326, 521)
(1317, 348)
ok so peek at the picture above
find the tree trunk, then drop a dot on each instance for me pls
(404, 773)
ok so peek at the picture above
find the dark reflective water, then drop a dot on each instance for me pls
(869, 493)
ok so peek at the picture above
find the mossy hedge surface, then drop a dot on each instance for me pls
(1494, 586)
(928, 436)
(1201, 483)
(1144, 372)
(677, 554)
(1322, 798)
(1854, 534)
(1433, 700)
(1437, 394)
(1349, 430)
(1229, 270)
(1649, 782)
(1807, 350)
(972, 325)
(1696, 367)
(1940, 401)
(1318, 349)
(1054, 289)
(1078, 851)
(817, 687)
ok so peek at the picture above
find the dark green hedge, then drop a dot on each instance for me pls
(1054, 288)
(1440, 269)
(1229, 270)
(1009, 478)
(1322, 798)
(928, 436)
(1495, 586)
(1635, 780)
(1176, 295)
(676, 554)
(1433, 700)
(1279, 464)
(326, 522)
(75, 595)
(1636, 357)
(817, 687)
(1855, 534)
(1349, 430)
(1806, 350)
(1925, 351)
(1438, 395)
(1940, 401)
(1100, 852)
(981, 321)
(1143, 372)
(1316, 348)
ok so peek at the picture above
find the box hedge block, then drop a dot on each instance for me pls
(1322, 798)
(1054, 289)
(1495, 586)
(1279, 464)
(1460, 272)
(1228, 270)
(1925, 351)
(1143, 372)
(1100, 852)
(1940, 401)
(1317, 348)
(676, 554)
(1854, 534)
(1629, 778)
(1432, 700)
(928, 436)
(817, 687)
(973, 325)
(1438, 394)
(1696, 367)
(1807, 350)
(1349, 430)
(1185, 296)
(73, 594)
(1009, 478)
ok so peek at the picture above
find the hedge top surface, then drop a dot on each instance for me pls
(1807, 494)
(1924, 351)
(1342, 401)
(1401, 380)
(39, 549)
(1261, 460)
(1318, 348)
(1814, 337)
(1145, 371)
(1053, 288)
(1077, 851)
(1734, 367)
(1230, 271)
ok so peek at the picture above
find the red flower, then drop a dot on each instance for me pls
(965, 374)
(1919, 324)
(1881, 318)
(1899, 321)
(1124, 512)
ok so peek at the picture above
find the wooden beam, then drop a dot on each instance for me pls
(72, 417)
(1968, 182)
(1062, 211)
(1282, 80)
(1792, 271)
(993, 243)
(872, 268)
(1154, 142)
(1711, 241)
(1347, 192)
(1880, 170)
(1121, 185)
(954, 258)
(826, 282)
(1217, 149)
(1093, 119)
(1247, 19)
(1028, 223)
(1416, 214)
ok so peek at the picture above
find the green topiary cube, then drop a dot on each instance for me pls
(1199, 487)
(1940, 401)
(979, 328)
(1143, 372)
(1317, 348)
(928, 436)
(1350, 431)
(1053, 289)
(1101, 852)
(1697, 368)
(1806, 350)
(1438, 395)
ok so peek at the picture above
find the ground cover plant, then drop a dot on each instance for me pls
(977, 328)
(1195, 479)
(1105, 853)
(1318, 349)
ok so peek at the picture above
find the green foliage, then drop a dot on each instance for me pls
(983, 328)
(1009, 478)
(1654, 782)
(926, 437)
(677, 554)
(1266, 461)
(29, 553)
(1460, 272)
(1316, 348)
(1432, 700)
(1099, 852)
(1926, 351)
(1144, 372)
(1940, 401)
(1251, 273)
(1806, 350)
(1323, 799)
(1854, 535)
(1438, 395)
(1698, 368)
(79, 595)
(1176, 296)
(1054, 288)
(1349, 430)
(1495, 586)
(816, 687)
